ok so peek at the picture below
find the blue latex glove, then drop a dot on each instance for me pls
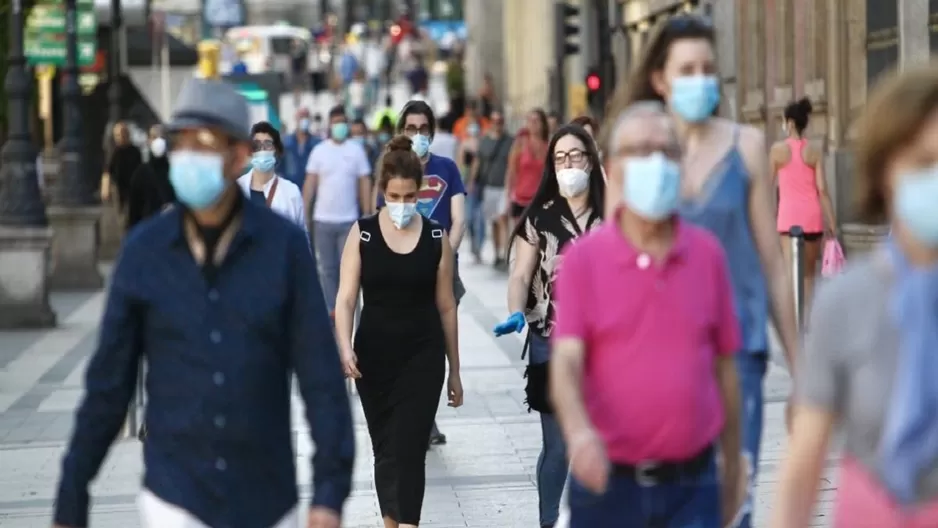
(514, 323)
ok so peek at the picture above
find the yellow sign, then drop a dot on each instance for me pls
(576, 100)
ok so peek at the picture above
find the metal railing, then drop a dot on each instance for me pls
(796, 237)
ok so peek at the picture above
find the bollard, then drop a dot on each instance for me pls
(796, 235)
(133, 421)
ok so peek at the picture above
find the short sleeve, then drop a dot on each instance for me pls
(364, 166)
(819, 378)
(728, 335)
(312, 162)
(571, 294)
(529, 233)
(455, 186)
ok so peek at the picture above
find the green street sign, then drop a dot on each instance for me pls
(51, 19)
(50, 50)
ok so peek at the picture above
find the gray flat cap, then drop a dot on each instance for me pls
(211, 103)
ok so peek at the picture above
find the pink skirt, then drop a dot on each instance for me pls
(863, 503)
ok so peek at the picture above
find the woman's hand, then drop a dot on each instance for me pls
(454, 390)
(350, 365)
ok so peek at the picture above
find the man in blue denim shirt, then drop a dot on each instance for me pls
(296, 149)
(220, 296)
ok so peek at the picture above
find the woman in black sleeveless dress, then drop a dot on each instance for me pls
(404, 266)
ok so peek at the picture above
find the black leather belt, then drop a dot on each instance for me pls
(651, 473)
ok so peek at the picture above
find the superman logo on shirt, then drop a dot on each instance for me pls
(431, 192)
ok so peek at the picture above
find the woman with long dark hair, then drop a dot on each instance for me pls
(568, 203)
(727, 190)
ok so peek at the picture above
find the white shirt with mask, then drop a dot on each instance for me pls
(288, 200)
(339, 167)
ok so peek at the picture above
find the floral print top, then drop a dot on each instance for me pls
(549, 229)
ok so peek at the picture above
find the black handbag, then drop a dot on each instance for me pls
(536, 389)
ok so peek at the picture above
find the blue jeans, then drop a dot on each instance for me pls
(689, 502)
(329, 240)
(751, 367)
(551, 471)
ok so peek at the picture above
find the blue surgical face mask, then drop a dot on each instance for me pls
(304, 125)
(914, 205)
(384, 137)
(263, 161)
(401, 213)
(197, 177)
(421, 145)
(473, 130)
(695, 97)
(339, 131)
(359, 139)
(652, 186)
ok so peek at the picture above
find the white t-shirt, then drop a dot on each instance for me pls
(374, 60)
(445, 145)
(288, 200)
(339, 167)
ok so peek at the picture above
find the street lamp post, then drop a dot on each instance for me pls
(114, 68)
(24, 233)
(74, 213)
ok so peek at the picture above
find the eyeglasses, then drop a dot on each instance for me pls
(411, 130)
(266, 144)
(576, 156)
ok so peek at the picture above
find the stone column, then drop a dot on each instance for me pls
(913, 32)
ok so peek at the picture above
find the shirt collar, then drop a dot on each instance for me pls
(628, 255)
(243, 226)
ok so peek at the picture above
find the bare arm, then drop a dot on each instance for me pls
(821, 180)
(309, 190)
(728, 382)
(566, 374)
(801, 471)
(762, 220)
(365, 195)
(458, 217)
(349, 277)
(446, 304)
(519, 280)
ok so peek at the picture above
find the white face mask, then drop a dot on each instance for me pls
(401, 213)
(572, 182)
(158, 147)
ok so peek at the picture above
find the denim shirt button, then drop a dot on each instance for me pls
(221, 465)
(213, 295)
(218, 378)
(220, 421)
(215, 336)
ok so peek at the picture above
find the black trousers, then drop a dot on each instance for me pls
(399, 411)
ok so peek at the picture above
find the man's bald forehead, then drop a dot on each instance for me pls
(646, 123)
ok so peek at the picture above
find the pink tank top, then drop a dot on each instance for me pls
(799, 203)
(530, 171)
(863, 503)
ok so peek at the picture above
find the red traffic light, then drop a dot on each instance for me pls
(592, 82)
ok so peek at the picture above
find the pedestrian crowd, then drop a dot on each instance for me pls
(645, 261)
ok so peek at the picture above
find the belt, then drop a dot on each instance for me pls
(650, 473)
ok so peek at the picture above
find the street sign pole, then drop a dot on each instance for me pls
(72, 189)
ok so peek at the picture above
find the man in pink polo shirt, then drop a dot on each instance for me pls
(643, 381)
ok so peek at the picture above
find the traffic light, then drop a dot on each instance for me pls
(594, 91)
(567, 28)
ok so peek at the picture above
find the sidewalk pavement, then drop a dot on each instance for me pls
(484, 476)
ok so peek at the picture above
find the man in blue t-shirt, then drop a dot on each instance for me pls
(442, 197)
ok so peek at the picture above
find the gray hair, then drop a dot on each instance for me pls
(645, 108)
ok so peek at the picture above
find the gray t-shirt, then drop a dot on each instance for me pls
(850, 360)
(493, 160)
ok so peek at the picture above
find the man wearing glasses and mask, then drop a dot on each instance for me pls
(219, 295)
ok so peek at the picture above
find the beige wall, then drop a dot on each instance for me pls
(485, 47)
(529, 48)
